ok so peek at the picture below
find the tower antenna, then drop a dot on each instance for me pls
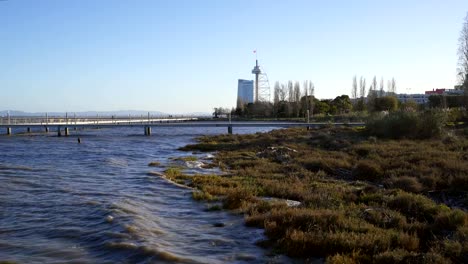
(262, 86)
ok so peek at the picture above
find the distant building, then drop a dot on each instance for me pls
(245, 91)
(444, 91)
(417, 98)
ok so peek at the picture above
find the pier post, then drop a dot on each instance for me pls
(229, 129)
(59, 132)
(147, 131)
(47, 129)
(67, 132)
(28, 129)
(8, 131)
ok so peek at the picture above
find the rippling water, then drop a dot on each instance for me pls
(64, 202)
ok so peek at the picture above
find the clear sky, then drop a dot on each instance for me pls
(186, 56)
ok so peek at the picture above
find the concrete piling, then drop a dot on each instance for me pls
(28, 130)
(8, 131)
(59, 132)
(147, 131)
(67, 131)
(47, 129)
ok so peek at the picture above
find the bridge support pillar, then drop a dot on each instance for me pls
(67, 131)
(28, 130)
(8, 131)
(59, 132)
(47, 129)
(229, 129)
(147, 131)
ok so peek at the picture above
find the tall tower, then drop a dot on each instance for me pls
(262, 86)
(256, 70)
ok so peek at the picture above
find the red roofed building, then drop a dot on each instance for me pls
(435, 91)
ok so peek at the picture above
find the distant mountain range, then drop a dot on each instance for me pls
(100, 113)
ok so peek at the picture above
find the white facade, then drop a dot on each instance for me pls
(245, 91)
(418, 98)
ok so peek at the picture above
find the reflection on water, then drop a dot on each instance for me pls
(94, 202)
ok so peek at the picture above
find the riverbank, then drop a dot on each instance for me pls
(360, 199)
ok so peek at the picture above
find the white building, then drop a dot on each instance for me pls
(418, 98)
(245, 91)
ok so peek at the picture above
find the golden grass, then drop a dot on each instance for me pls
(363, 200)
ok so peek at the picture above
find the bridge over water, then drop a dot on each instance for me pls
(62, 127)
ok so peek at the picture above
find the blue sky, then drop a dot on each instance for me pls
(186, 56)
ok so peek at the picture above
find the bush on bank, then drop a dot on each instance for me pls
(405, 124)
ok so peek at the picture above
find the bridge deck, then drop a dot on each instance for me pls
(183, 124)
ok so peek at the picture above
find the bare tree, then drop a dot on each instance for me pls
(306, 90)
(290, 92)
(297, 97)
(381, 88)
(297, 92)
(374, 83)
(393, 86)
(462, 70)
(276, 91)
(354, 88)
(282, 93)
(372, 94)
(311, 88)
(362, 87)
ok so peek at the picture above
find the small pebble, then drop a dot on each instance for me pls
(109, 218)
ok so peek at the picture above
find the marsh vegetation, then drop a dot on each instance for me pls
(362, 198)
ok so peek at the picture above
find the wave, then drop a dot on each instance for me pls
(4, 166)
(116, 162)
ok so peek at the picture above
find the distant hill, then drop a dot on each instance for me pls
(86, 113)
(101, 113)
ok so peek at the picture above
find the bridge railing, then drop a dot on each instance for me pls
(19, 120)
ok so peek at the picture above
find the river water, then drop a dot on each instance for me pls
(94, 202)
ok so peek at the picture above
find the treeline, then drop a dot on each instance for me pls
(290, 100)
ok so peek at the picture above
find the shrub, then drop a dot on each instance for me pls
(237, 198)
(154, 164)
(202, 196)
(406, 183)
(403, 124)
(368, 171)
(451, 220)
(414, 205)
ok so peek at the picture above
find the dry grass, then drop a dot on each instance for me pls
(363, 200)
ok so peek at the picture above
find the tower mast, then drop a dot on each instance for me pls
(256, 70)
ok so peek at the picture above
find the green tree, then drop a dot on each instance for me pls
(322, 107)
(410, 105)
(386, 103)
(342, 104)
